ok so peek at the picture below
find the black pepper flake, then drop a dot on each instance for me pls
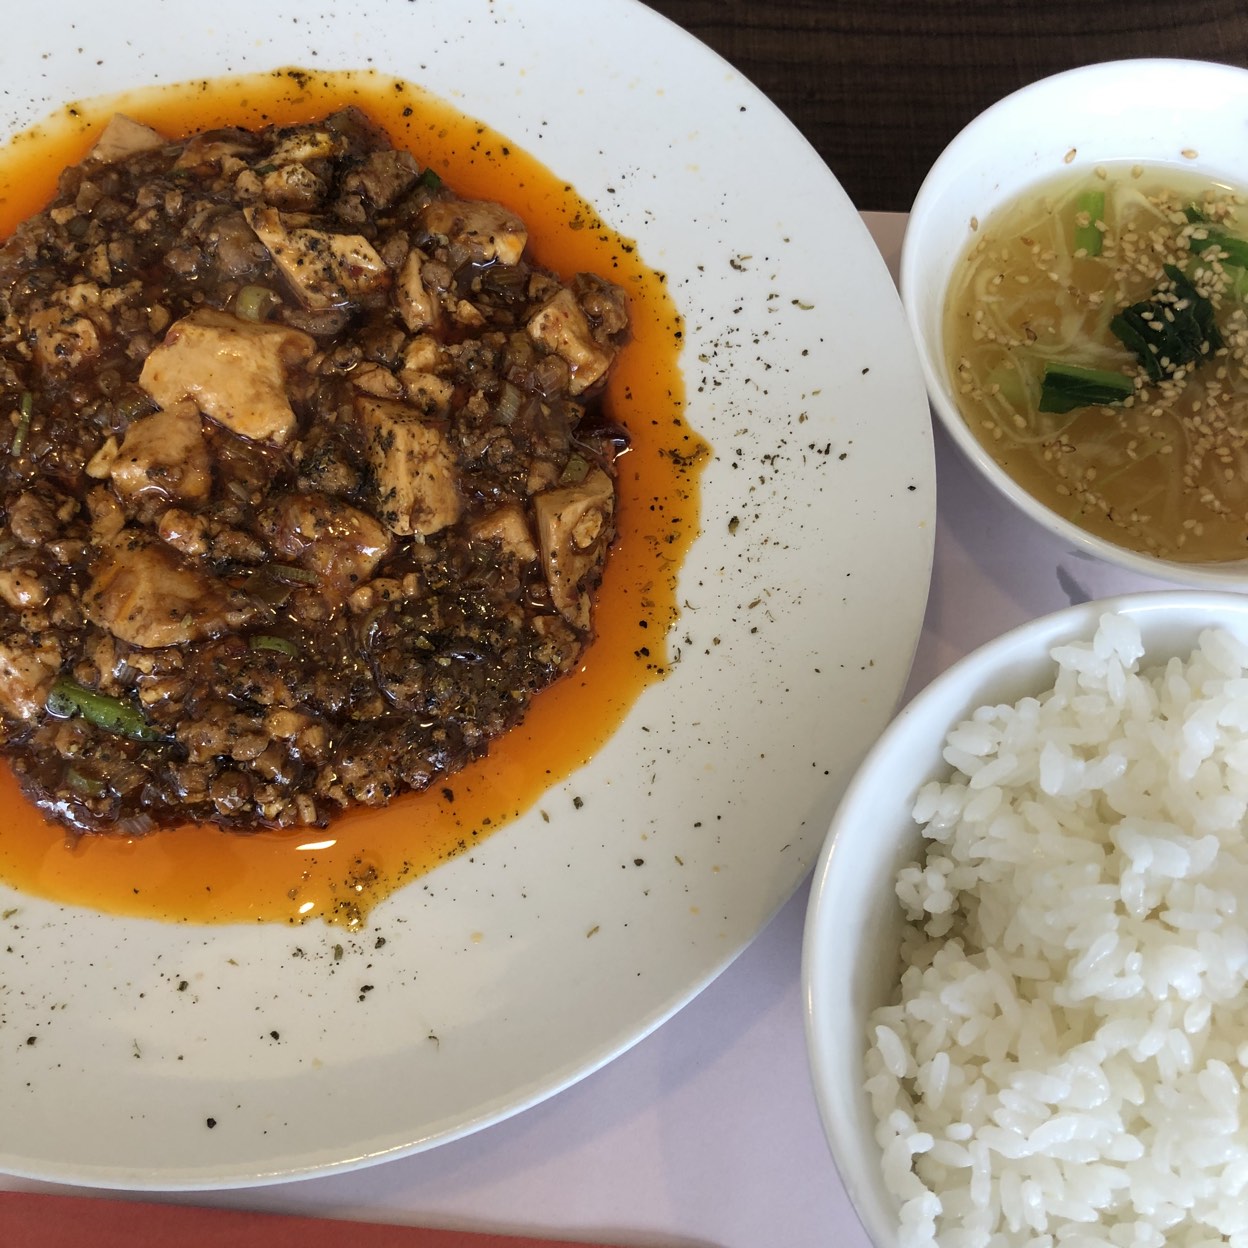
(578, 802)
(210, 1123)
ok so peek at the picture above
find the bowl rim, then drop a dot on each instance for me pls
(912, 265)
(1181, 612)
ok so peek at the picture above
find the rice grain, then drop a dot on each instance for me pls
(1064, 1063)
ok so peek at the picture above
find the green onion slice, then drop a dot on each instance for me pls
(266, 641)
(1088, 237)
(289, 572)
(25, 410)
(1068, 386)
(254, 303)
(67, 698)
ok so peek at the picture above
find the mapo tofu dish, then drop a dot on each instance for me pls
(305, 486)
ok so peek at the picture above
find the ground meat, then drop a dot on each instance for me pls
(305, 489)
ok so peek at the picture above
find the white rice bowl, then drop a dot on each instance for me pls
(1061, 1056)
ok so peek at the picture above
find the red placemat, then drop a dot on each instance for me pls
(37, 1220)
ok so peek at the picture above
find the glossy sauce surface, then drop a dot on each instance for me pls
(202, 874)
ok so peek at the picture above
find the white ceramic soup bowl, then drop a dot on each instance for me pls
(851, 961)
(1190, 115)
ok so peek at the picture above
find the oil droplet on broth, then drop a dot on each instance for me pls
(202, 874)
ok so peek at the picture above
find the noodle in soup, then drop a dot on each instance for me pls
(1097, 331)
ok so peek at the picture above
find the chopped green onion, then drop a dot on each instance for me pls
(67, 698)
(1234, 250)
(22, 432)
(287, 572)
(1067, 386)
(80, 782)
(1088, 237)
(266, 641)
(574, 471)
(509, 399)
(429, 180)
(133, 404)
(1171, 330)
(1238, 287)
(265, 170)
(1012, 385)
(254, 303)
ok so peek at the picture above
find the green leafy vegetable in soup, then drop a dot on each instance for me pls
(1097, 328)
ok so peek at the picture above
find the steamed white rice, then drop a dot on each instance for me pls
(1068, 1060)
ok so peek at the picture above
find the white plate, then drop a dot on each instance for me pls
(797, 635)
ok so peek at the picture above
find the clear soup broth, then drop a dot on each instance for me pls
(1075, 295)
